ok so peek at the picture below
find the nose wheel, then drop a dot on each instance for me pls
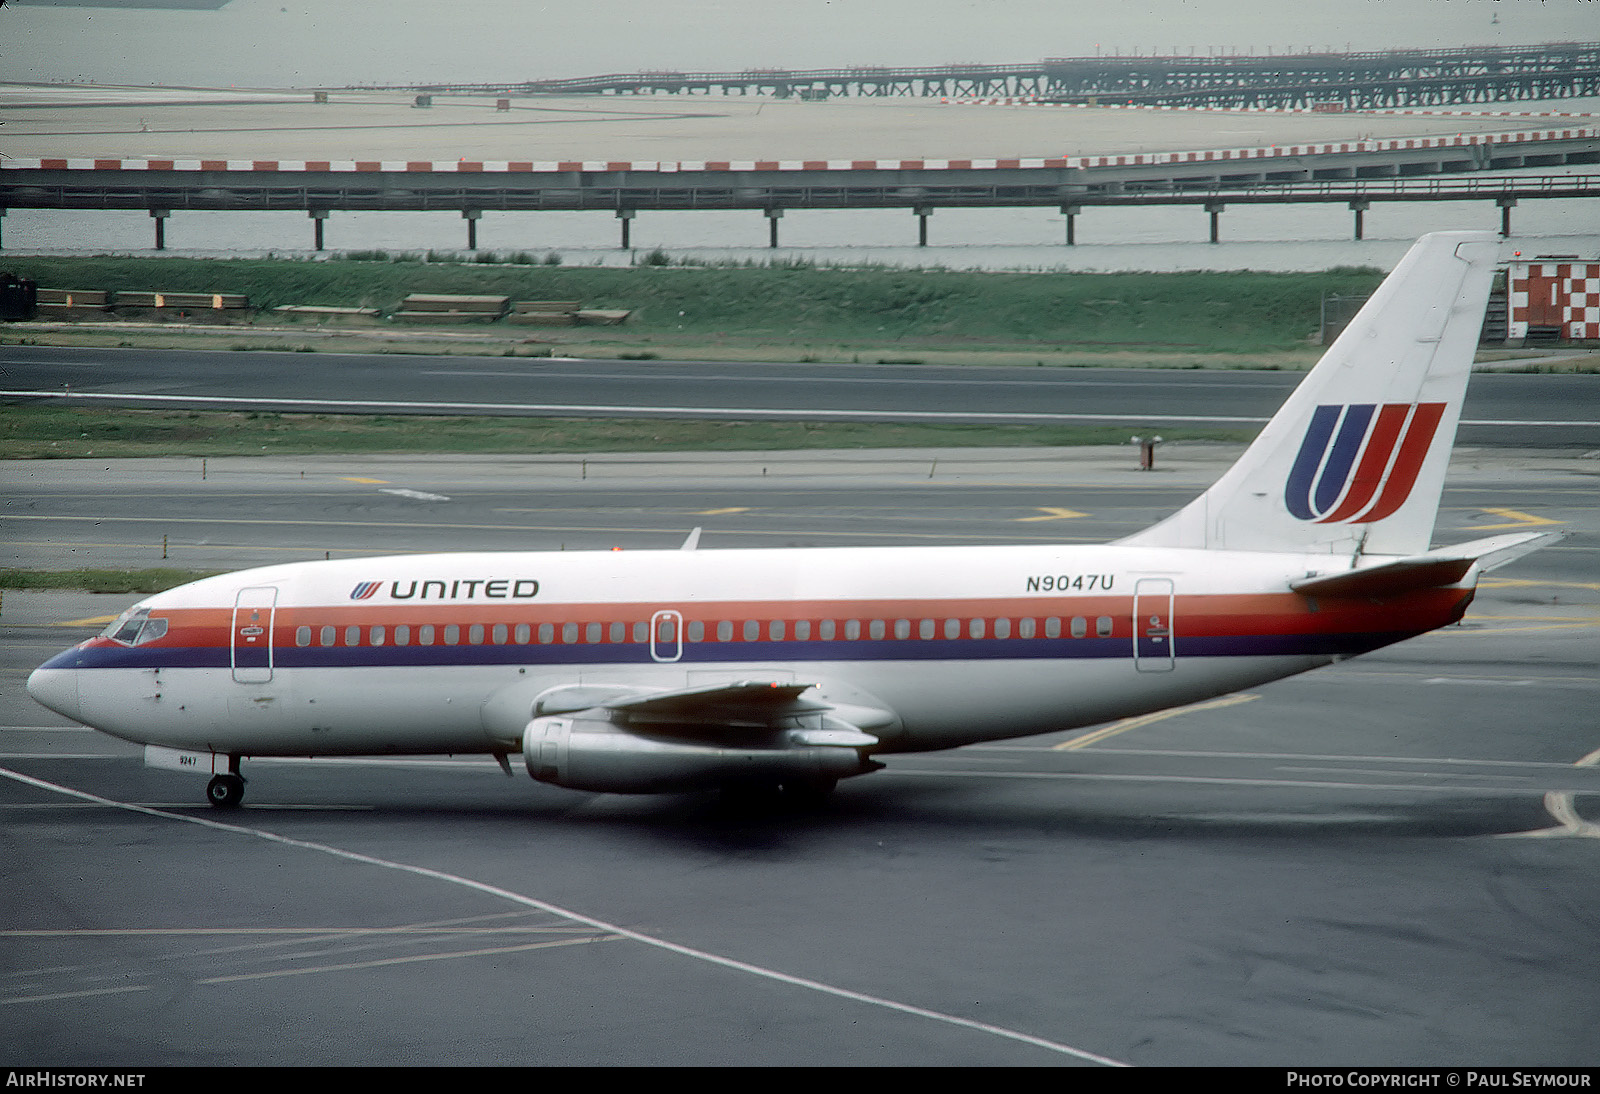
(225, 791)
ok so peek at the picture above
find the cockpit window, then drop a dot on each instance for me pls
(126, 627)
(134, 627)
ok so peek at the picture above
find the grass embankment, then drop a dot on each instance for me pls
(792, 311)
(152, 580)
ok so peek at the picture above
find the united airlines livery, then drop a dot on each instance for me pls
(660, 671)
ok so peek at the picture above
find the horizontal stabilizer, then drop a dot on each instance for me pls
(1442, 566)
(1387, 579)
(1496, 551)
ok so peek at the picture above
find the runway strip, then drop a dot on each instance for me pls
(363, 406)
(551, 909)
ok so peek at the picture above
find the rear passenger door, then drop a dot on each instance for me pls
(1152, 624)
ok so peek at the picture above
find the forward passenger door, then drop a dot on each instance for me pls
(251, 634)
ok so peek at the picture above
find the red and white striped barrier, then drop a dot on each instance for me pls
(1424, 112)
(670, 166)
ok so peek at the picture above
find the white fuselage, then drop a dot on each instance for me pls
(933, 647)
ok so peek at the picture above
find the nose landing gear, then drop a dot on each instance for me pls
(226, 791)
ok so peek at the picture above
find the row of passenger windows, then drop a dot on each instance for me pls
(749, 630)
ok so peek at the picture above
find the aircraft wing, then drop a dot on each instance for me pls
(746, 702)
(718, 711)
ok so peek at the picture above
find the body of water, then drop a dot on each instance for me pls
(1270, 237)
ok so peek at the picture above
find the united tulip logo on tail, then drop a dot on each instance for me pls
(1358, 463)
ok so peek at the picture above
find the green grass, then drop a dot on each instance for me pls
(1197, 312)
(37, 431)
(152, 580)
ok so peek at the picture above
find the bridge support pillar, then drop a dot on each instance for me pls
(160, 217)
(773, 216)
(472, 216)
(1071, 212)
(923, 213)
(1506, 205)
(1359, 207)
(1215, 209)
(318, 218)
(626, 216)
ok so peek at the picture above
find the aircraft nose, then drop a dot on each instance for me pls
(56, 689)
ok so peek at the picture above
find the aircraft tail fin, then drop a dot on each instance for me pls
(1354, 461)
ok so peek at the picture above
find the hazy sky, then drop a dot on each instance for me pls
(296, 43)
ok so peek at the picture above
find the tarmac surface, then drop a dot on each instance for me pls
(1390, 861)
(1512, 409)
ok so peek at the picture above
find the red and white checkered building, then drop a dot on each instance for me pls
(1554, 294)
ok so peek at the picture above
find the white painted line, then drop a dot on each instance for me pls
(277, 807)
(1297, 756)
(1481, 681)
(1202, 780)
(66, 755)
(419, 495)
(47, 729)
(859, 534)
(532, 375)
(373, 407)
(258, 932)
(411, 960)
(1558, 803)
(601, 925)
(1311, 769)
(68, 995)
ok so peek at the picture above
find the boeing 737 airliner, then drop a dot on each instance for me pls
(653, 671)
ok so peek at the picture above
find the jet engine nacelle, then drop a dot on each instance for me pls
(586, 751)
